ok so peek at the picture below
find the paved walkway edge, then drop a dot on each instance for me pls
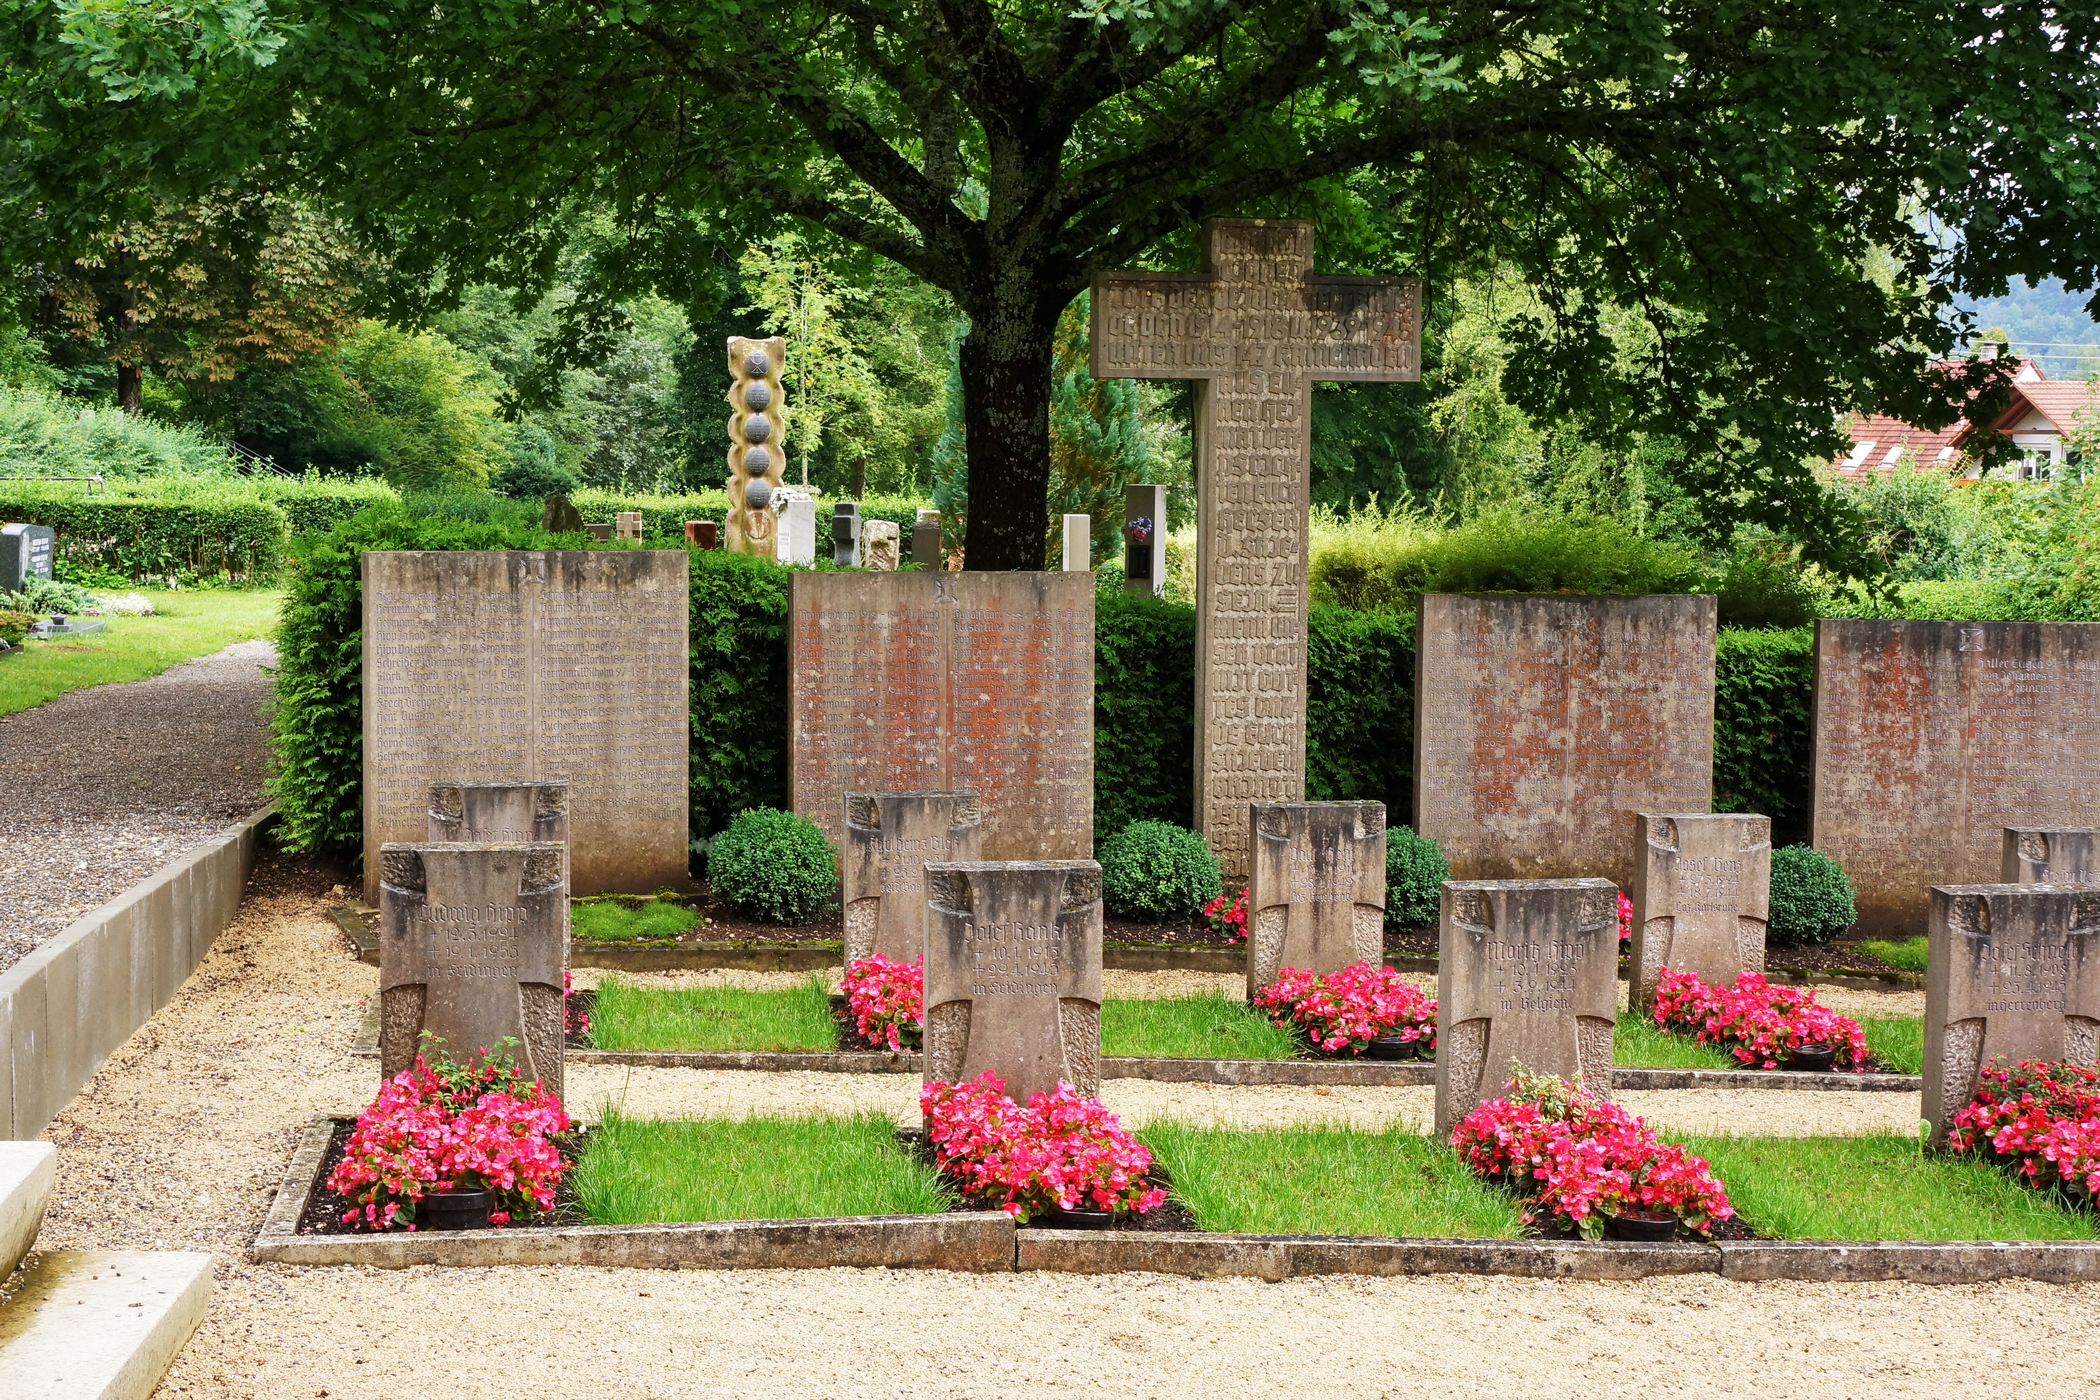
(79, 995)
(100, 1326)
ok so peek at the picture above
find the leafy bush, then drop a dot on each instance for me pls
(43, 434)
(1144, 723)
(1764, 726)
(14, 626)
(1155, 870)
(43, 596)
(225, 531)
(535, 480)
(1766, 589)
(774, 865)
(1361, 560)
(1415, 871)
(1811, 898)
(1360, 709)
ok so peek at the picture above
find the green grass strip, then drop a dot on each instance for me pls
(712, 1018)
(649, 1171)
(1327, 1181)
(611, 922)
(1897, 1041)
(1207, 1026)
(1908, 955)
(1637, 1041)
(186, 624)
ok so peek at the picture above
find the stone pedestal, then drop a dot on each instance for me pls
(891, 837)
(1702, 891)
(1527, 971)
(1145, 540)
(2012, 973)
(2063, 856)
(472, 943)
(1316, 893)
(1013, 974)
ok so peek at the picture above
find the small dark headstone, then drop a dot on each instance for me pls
(845, 534)
(560, 517)
(700, 532)
(600, 532)
(25, 553)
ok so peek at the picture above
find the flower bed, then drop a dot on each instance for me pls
(1758, 1023)
(1344, 1011)
(1573, 1158)
(1060, 1150)
(2039, 1119)
(886, 1000)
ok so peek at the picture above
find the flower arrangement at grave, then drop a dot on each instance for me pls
(2039, 1119)
(575, 1021)
(1758, 1023)
(1348, 1009)
(887, 1000)
(1228, 916)
(1573, 1158)
(442, 1127)
(1140, 527)
(1625, 922)
(1059, 1150)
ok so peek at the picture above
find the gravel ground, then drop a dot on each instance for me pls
(101, 787)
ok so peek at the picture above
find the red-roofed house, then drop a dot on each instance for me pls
(2043, 414)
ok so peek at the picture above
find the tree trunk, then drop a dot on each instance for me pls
(129, 396)
(1006, 423)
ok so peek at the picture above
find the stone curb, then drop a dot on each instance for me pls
(28, 1176)
(1910, 1261)
(1275, 1257)
(102, 1325)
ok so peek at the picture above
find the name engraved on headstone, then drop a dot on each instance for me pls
(891, 837)
(1701, 896)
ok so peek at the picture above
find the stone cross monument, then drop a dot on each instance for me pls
(891, 837)
(2063, 856)
(1255, 330)
(1316, 894)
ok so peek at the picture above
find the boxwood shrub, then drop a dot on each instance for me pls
(1157, 871)
(1415, 871)
(1811, 897)
(774, 865)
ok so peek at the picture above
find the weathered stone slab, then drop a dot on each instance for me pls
(881, 545)
(1702, 893)
(502, 813)
(2060, 857)
(947, 682)
(25, 553)
(1013, 974)
(1527, 972)
(1933, 737)
(1544, 722)
(472, 943)
(522, 666)
(2012, 972)
(1316, 893)
(891, 837)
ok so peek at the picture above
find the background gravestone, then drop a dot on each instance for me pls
(2011, 972)
(1931, 738)
(1544, 722)
(1527, 970)
(891, 837)
(501, 813)
(25, 553)
(472, 943)
(845, 534)
(2061, 857)
(881, 545)
(947, 682)
(562, 664)
(1702, 893)
(1316, 893)
(926, 539)
(1013, 974)
(1145, 539)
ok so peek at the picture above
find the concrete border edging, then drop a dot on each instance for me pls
(103, 1324)
(78, 996)
(1276, 1257)
(1910, 1261)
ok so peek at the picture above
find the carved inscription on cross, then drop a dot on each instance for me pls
(1255, 330)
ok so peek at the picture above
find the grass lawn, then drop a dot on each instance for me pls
(189, 623)
(645, 1171)
(1908, 955)
(1897, 1041)
(1637, 1040)
(609, 921)
(1209, 1026)
(712, 1018)
(1327, 1181)
(1878, 1188)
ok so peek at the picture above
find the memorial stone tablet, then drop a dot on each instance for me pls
(501, 813)
(527, 666)
(1702, 889)
(1544, 722)
(881, 545)
(2012, 972)
(891, 837)
(926, 540)
(1013, 974)
(1316, 894)
(25, 553)
(1527, 973)
(948, 682)
(472, 943)
(1931, 738)
(2061, 857)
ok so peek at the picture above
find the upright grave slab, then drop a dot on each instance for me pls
(1702, 893)
(1255, 329)
(2060, 857)
(891, 837)
(1544, 722)
(1527, 972)
(472, 943)
(526, 665)
(25, 554)
(502, 814)
(1013, 974)
(2013, 973)
(1933, 737)
(1145, 539)
(947, 682)
(1316, 894)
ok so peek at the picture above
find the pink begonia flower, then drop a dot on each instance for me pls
(1756, 1022)
(2040, 1119)
(1061, 1149)
(1346, 1010)
(887, 1000)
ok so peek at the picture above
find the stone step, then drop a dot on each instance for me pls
(28, 1175)
(102, 1325)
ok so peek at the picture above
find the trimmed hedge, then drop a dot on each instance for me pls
(664, 517)
(1360, 709)
(1764, 726)
(194, 536)
(1144, 720)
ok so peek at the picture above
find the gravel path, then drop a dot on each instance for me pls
(101, 787)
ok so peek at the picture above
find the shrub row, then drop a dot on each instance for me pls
(664, 517)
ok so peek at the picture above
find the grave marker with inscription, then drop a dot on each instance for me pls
(25, 553)
(1543, 722)
(1316, 894)
(2012, 972)
(530, 665)
(891, 837)
(472, 943)
(2060, 857)
(501, 813)
(947, 682)
(1931, 738)
(1702, 892)
(1013, 974)
(1255, 330)
(1527, 971)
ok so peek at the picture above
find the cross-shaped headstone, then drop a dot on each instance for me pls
(1255, 331)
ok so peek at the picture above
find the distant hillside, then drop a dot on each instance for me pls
(2048, 324)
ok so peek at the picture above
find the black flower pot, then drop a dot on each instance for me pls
(455, 1210)
(1392, 1047)
(1813, 1059)
(1640, 1226)
(1078, 1218)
